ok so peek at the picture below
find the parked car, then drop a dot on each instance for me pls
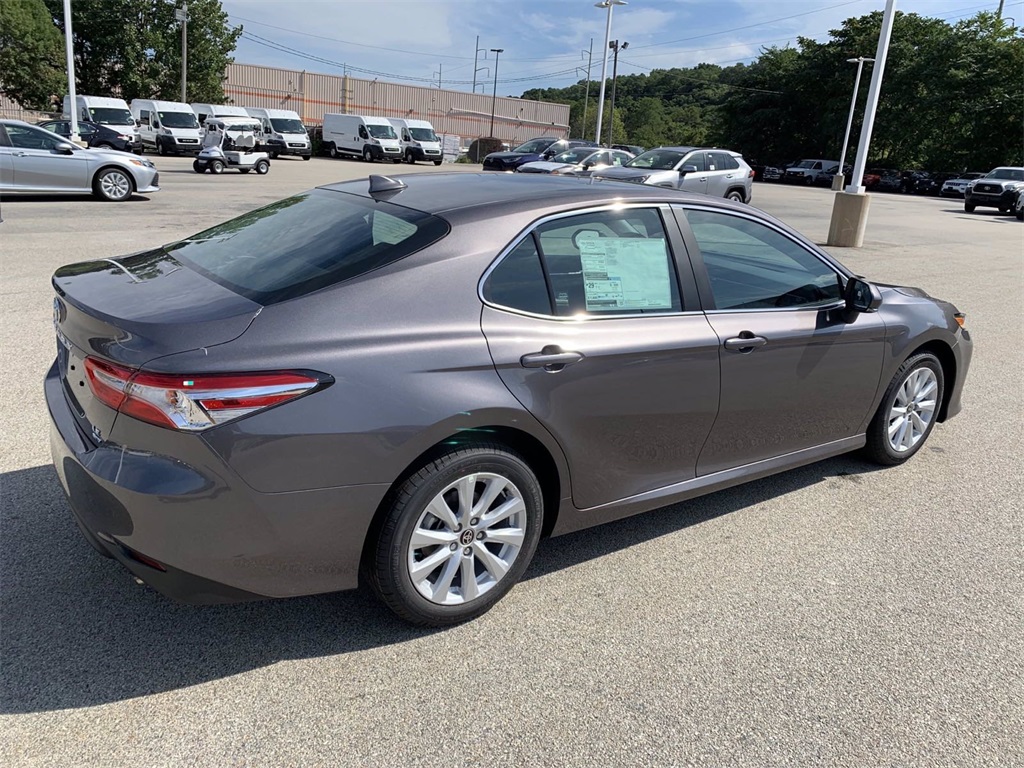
(97, 135)
(225, 432)
(633, 149)
(933, 184)
(915, 182)
(825, 179)
(35, 161)
(891, 181)
(996, 189)
(808, 171)
(581, 161)
(716, 172)
(957, 187)
(771, 173)
(873, 177)
(543, 148)
(102, 110)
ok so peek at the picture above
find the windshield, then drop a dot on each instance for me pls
(178, 120)
(534, 146)
(422, 134)
(382, 131)
(573, 156)
(805, 164)
(111, 116)
(305, 243)
(286, 125)
(1011, 174)
(656, 159)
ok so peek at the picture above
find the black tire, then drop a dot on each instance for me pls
(969, 207)
(244, 170)
(262, 167)
(198, 167)
(367, 155)
(1020, 214)
(216, 166)
(410, 159)
(114, 185)
(437, 162)
(274, 155)
(878, 448)
(332, 151)
(161, 149)
(396, 160)
(306, 157)
(1004, 209)
(386, 563)
(735, 195)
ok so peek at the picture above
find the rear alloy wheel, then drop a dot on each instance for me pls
(459, 535)
(113, 184)
(907, 413)
(735, 195)
(262, 167)
(216, 166)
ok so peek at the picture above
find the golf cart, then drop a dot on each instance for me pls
(220, 151)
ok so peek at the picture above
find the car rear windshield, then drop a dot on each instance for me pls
(307, 242)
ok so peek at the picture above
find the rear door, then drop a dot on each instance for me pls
(591, 329)
(6, 162)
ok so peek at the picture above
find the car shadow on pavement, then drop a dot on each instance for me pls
(77, 631)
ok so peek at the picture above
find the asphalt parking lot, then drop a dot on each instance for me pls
(833, 615)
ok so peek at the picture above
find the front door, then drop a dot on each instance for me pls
(808, 376)
(695, 181)
(591, 330)
(40, 165)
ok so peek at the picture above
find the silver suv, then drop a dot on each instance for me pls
(716, 172)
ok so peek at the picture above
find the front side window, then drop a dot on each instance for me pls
(362, 132)
(27, 137)
(533, 146)
(752, 266)
(697, 160)
(144, 116)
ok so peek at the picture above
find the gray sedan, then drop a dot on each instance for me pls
(35, 161)
(581, 161)
(406, 382)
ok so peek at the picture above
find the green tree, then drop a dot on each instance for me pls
(133, 48)
(31, 66)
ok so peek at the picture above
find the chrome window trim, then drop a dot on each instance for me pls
(665, 209)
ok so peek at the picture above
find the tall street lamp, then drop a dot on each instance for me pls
(494, 95)
(609, 4)
(615, 76)
(70, 51)
(837, 182)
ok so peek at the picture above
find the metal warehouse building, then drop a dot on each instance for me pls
(312, 95)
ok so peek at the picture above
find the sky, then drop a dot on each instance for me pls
(545, 42)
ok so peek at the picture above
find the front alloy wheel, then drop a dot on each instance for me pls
(907, 413)
(114, 185)
(459, 535)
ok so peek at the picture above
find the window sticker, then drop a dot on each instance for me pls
(620, 273)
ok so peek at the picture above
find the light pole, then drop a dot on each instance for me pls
(850, 210)
(837, 182)
(609, 4)
(70, 51)
(181, 14)
(494, 94)
(586, 94)
(615, 75)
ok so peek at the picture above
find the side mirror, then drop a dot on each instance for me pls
(687, 169)
(861, 296)
(65, 148)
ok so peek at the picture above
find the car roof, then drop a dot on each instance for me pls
(482, 193)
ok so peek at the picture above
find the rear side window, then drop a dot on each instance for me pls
(307, 242)
(518, 281)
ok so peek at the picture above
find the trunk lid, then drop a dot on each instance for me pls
(130, 311)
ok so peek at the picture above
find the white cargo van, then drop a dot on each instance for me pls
(167, 126)
(418, 140)
(372, 138)
(103, 110)
(223, 111)
(283, 132)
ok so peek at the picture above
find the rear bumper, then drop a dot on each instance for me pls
(182, 521)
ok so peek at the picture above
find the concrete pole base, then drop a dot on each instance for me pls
(849, 220)
(837, 182)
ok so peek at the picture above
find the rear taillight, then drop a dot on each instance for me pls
(192, 403)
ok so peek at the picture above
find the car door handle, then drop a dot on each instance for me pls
(552, 359)
(745, 342)
(19, 154)
(702, 178)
